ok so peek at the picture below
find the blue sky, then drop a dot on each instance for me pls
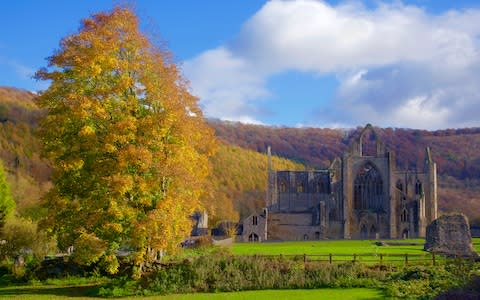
(314, 63)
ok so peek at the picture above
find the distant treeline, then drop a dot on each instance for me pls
(454, 150)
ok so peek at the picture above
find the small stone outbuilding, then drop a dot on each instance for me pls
(255, 227)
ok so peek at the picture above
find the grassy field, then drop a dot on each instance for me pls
(343, 250)
(81, 293)
(344, 294)
(325, 247)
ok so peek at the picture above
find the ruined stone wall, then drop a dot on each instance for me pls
(293, 227)
(293, 198)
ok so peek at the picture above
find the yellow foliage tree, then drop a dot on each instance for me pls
(128, 142)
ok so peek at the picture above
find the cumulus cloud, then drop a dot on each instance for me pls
(396, 64)
(226, 84)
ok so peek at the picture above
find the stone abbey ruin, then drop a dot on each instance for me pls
(362, 195)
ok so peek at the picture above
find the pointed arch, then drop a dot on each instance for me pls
(404, 216)
(373, 232)
(368, 188)
(363, 232)
(399, 185)
(368, 141)
(418, 187)
(283, 186)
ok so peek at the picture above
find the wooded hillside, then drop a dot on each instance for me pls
(27, 173)
(456, 152)
(237, 185)
(239, 176)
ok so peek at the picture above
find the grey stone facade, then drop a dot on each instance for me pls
(361, 195)
(255, 227)
(200, 226)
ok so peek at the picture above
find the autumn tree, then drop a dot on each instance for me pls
(127, 140)
(7, 204)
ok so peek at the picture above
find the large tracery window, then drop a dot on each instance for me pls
(368, 188)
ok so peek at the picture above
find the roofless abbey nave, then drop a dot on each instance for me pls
(361, 195)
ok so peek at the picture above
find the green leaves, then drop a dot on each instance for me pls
(7, 204)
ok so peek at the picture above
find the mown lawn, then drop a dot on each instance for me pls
(343, 250)
(82, 292)
(320, 294)
(326, 247)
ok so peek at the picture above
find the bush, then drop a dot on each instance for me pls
(235, 273)
(22, 237)
(426, 282)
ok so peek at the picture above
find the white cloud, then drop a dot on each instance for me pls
(226, 85)
(397, 64)
(21, 70)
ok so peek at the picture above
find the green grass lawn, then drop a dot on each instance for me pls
(342, 250)
(325, 247)
(320, 294)
(81, 293)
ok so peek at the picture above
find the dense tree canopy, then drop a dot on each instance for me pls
(128, 143)
(7, 204)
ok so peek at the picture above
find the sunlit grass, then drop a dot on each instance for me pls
(320, 294)
(81, 293)
(326, 247)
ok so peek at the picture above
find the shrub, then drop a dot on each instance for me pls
(22, 236)
(235, 273)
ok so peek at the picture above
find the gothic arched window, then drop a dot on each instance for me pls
(320, 187)
(323, 186)
(333, 214)
(399, 185)
(368, 188)
(404, 216)
(300, 188)
(418, 187)
(283, 187)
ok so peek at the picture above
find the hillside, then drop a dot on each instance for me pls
(456, 152)
(238, 180)
(237, 185)
(27, 172)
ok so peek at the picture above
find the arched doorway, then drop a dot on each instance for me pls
(253, 237)
(373, 232)
(363, 232)
(405, 234)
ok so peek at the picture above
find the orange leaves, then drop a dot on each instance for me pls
(128, 146)
(120, 184)
(86, 130)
